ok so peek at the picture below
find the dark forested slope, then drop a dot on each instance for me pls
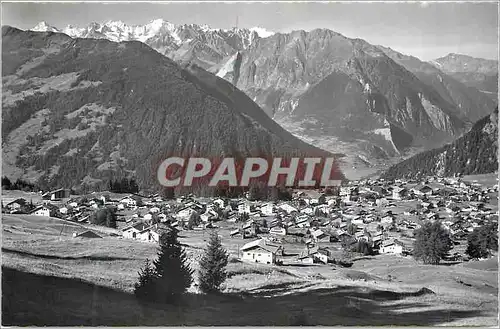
(476, 152)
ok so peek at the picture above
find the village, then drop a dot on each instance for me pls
(311, 228)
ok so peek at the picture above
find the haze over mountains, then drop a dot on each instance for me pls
(77, 112)
(369, 102)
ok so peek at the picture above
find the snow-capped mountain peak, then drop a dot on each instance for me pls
(179, 42)
(159, 23)
(44, 27)
(116, 24)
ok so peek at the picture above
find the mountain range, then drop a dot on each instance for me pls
(342, 94)
(371, 103)
(187, 43)
(473, 72)
(79, 112)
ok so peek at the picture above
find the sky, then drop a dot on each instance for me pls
(423, 29)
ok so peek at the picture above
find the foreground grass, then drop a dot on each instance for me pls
(50, 278)
(32, 299)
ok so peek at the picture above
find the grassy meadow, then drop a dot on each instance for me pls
(51, 278)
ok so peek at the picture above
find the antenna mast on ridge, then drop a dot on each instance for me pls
(236, 25)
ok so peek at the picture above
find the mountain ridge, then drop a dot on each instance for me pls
(474, 72)
(79, 112)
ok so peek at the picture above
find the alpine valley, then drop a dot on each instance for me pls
(108, 104)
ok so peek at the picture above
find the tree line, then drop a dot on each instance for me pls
(124, 186)
(19, 184)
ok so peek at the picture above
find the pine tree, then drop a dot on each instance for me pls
(213, 265)
(174, 276)
(144, 289)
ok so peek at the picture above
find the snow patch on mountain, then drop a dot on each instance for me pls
(386, 133)
(228, 67)
(262, 32)
(436, 64)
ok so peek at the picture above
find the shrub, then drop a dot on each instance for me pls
(482, 241)
(194, 220)
(104, 217)
(364, 248)
(351, 229)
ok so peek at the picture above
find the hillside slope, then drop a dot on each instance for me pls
(80, 111)
(473, 103)
(476, 152)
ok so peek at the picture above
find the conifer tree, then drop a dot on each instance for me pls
(145, 289)
(213, 264)
(174, 275)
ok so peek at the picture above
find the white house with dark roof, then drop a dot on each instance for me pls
(314, 255)
(267, 209)
(399, 193)
(260, 251)
(287, 208)
(46, 210)
(15, 205)
(391, 247)
(128, 201)
(56, 194)
(422, 190)
(276, 230)
(184, 213)
(320, 236)
(132, 231)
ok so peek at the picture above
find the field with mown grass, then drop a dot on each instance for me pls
(51, 278)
